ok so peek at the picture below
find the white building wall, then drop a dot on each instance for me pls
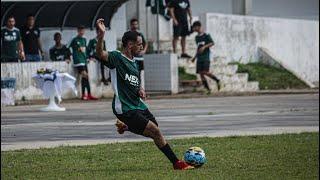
(297, 9)
(25, 86)
(293, 42)
(118, 22)
(306, 9)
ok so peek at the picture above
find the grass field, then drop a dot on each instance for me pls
(291, 156)
(183, 75)
(270, 77)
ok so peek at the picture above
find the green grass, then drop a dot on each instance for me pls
(183, 75)
(270, 77)
(290, 156)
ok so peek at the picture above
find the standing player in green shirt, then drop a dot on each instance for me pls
(11, 44)
(59, 52)
(204, 43)
(91, 53)
(127, 103)
(79, 55)
(134, 26)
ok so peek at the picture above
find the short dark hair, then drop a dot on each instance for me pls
(134, 20)
(80, 27)
(196, 24)
(56, 34)
(30, 15)
(10, 17)
(129, 36)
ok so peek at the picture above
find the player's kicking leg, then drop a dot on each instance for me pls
(143, 123)
(153, 132)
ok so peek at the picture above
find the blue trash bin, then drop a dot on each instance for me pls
(8, 83)
(8, 86)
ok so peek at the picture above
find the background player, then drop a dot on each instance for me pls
(79, 55)
(179, 11)
(134, 26)
(11, 43)
(127, 104)
(59, 52)
(91, 52)
(30, 35)
(204, 43)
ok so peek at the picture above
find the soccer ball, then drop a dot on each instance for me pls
(195, 156)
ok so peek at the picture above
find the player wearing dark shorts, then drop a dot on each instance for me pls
(179, 11)
(11, 43)
(204, 42)
(79, 54)
(128, 104)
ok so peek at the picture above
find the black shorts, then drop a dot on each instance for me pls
(137, 120)
(82, 68)
(203, 66)
(182, 30)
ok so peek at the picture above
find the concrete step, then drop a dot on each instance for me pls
(192, 83)
(240, 87)
(224, 69)
(236, 78)
(225, 87)
(186, 63)
(219, 61)
(252, 86)
(216, 69)
(191, 70)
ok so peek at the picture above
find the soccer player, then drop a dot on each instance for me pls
(79, 55)
(59, 52)
(134, 26)
(11, 44)
(91, 53)
(204, 43)
(179, 11)
(31, 40)
(128, 105)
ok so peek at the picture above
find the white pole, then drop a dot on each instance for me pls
(158, 28)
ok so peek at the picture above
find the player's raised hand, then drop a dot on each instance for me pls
(101, 27)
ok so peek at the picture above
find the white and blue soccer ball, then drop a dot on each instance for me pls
(195, 156)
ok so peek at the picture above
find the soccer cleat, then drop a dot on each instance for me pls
(84, 97)
(121, 127)
(90, 97)
(182, 165)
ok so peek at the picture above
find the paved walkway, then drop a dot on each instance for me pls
(93, 123)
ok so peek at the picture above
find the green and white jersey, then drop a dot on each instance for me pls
(9, 42)
(59, 54)
(125, 82)
(91, 50)
(78, 46)
(202, 40)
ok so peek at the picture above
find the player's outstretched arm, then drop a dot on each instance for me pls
(102, 54)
